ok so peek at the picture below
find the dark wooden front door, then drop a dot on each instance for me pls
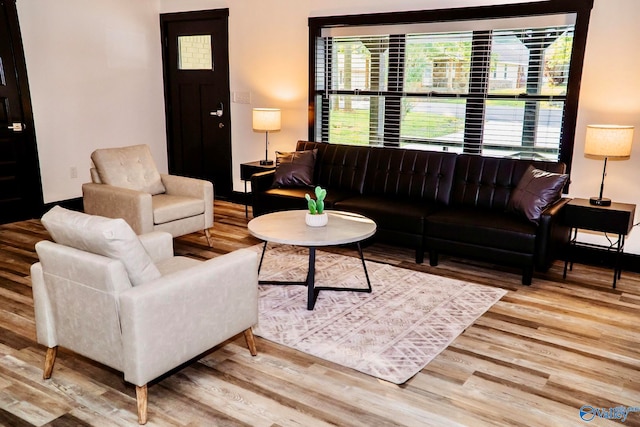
(20, 189)
(196, 79)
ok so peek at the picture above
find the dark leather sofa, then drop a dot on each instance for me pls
(438, 202)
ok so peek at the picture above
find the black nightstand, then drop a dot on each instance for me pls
(617, 219)
(246, 170)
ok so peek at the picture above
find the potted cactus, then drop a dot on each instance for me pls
(316, 217)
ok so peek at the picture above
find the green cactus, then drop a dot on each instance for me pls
(311, 203)
(316, 206)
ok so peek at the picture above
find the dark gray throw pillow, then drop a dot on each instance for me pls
(295, 169)
(536, 190)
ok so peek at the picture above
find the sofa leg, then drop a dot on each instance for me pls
(433, 258)
(527, 276)
(141, 401)
(49, 360)
(419, 256)
(251, 342)
(208, 236)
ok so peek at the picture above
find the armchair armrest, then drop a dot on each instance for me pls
(116, 202)
(191, 187)
(171, 320)
(158, 244)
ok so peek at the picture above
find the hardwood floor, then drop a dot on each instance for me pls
(534, 359)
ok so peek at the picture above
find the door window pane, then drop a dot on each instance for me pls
(194, 53)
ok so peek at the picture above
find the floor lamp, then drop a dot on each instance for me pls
(608, 142)
(265, 120)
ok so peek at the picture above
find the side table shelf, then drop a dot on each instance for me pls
(248, 169)
(617, 219)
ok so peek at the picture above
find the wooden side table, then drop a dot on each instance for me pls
(617, 219)
(248, 169)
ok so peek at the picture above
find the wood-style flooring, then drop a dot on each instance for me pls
(534, 359)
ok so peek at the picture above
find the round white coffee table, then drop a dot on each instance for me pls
(289, 228)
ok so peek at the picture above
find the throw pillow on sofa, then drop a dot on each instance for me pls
(536, 190)
(295, 169)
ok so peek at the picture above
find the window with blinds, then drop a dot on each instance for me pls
(492, 86)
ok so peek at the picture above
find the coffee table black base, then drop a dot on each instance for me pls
(312, 290)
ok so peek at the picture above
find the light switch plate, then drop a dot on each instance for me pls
(242, 97)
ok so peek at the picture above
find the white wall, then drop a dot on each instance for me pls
(268, 57)
(95, 74)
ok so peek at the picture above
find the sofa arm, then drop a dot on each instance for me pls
(552, 235)
(191, 187)
(262, 181)
(134, 207)
(158, 244)
(171, 320)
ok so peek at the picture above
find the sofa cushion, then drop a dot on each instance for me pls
(410, 174)
(339, 166)
(112, 238)
(536, 190)
(295, 169)
(389, 213)
(167, 208)
(293, 198)
(483, 227)
(128, 167)
(487, 182)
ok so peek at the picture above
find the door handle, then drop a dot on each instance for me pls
(219, 112)
(17, 127)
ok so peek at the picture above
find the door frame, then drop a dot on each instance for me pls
(168, 18)
(33, 180)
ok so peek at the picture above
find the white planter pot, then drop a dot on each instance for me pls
(317, 220)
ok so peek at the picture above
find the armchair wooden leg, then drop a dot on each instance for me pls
(251, 342)
(49, 360)
(141, 400)
(208, 235)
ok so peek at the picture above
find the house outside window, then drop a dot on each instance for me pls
(496, 81)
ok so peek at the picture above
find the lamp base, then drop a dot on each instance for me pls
(266, 162)
(600, 201)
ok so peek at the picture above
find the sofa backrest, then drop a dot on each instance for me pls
(413, 174)
(487, 182)
(337, 165)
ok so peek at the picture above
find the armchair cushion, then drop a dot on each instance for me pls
(129, 167)
(112, 238)
(167, 208)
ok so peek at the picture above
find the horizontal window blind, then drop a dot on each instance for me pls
(493, 91)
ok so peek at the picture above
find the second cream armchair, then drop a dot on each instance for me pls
(126, 184)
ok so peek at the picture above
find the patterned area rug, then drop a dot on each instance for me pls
(391, 333)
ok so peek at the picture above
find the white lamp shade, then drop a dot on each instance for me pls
(612, 141)
(266, 119)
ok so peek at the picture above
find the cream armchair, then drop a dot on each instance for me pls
(127, 302)
(126, 184)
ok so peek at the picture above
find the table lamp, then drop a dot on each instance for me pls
(266, 119)
(608, 142)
